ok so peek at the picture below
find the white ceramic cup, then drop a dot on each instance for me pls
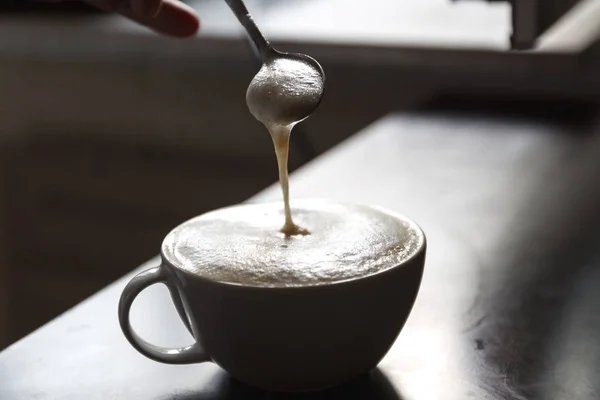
(297, 338)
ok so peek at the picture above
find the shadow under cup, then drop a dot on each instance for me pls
(289, 339)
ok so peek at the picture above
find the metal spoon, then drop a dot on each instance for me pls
(288, 87)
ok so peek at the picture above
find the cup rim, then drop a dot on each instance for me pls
(421, 248)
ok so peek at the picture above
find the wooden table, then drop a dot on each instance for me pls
(509, 306)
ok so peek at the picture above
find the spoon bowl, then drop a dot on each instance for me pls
(287, 89)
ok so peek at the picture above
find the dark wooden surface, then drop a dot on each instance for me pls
(509, 306)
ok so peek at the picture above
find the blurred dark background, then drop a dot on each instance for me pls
(112, 135)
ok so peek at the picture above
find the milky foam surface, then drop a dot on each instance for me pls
(283, 90)
(243, 244)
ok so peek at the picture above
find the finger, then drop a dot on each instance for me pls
(145, 8)
(174, 19)
(171, 18)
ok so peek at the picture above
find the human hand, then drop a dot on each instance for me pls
(168, 17)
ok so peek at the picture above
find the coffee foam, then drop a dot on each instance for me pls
(282, 90)
(243, 244)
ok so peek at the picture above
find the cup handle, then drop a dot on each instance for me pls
(185, 355)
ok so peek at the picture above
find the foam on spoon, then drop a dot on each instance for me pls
(283, 90)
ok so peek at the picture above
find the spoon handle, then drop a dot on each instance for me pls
(241, 12)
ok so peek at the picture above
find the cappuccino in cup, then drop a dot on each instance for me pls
(287, 312)
(243, 244)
